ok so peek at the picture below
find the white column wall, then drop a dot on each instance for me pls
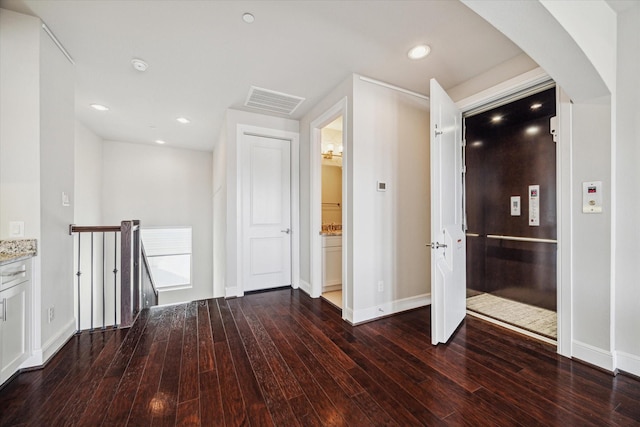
(627, 175)
(343, 90)
(592, 235)
(220, 214)
(57, 134)
(391, 263)
(19, 122)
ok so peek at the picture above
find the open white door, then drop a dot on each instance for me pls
(266, 212)
(448, 253)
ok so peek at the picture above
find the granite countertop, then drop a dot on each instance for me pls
(331, 233)
(12, 250)
(9, 258)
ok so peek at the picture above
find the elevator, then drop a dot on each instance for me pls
(511, 212)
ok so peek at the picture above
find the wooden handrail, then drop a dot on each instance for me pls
(146, 263)
(93, 228)
(99, 228)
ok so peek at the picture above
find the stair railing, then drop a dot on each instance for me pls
(103, 302)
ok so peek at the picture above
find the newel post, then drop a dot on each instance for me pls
(130, 267)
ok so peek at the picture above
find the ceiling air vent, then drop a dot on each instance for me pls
(275, 102)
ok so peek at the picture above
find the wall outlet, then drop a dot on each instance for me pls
(52, 313)
(380, 286)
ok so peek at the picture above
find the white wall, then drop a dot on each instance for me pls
(88, 177)
(19, 122)
(220, 214)
(88, 211)
(515, 66)
(384, 234)
(390, 229)
(233, 119)
(163, 186)
(343, 90)
(532, 26)
(36, 166)
(57, 125)
(599, 46)
(592, 234)
(627, 175)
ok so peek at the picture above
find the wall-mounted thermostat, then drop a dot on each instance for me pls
(382, 186)
(592, 197)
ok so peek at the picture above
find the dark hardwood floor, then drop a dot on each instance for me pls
(282, 358)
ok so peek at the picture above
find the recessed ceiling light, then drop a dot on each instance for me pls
(532, 130)
(248, 18)
(99, 107)
(419, 52)
(159, 141)
(535, 106)
(476, 144)
(183, 120)
(496, 119)
(139, 64)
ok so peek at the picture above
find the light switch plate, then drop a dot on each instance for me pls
(16, 228)
(515, 206)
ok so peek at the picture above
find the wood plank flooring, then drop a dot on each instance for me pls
(281, 358)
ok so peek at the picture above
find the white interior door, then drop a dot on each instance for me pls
(448, 253)
(266, 212)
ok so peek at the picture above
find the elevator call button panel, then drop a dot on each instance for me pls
(592, 197)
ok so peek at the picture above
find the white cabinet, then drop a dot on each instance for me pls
(15, 292)
(331, 263)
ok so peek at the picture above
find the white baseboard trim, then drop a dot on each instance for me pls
(305, 286)
(232, 292)
(629, 363)
(391, 307)
(347, 315)
(592, 355)
(331, 288)
(40, 356)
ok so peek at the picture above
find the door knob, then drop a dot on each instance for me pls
(437, 245)
(286, 230)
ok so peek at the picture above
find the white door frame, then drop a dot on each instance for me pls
(294, 139)
(315, 163)
(563, 190)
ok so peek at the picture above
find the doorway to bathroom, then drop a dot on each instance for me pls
(511, 212)
(331, 230)
(329, 241)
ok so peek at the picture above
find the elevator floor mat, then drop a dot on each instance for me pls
(535, 319)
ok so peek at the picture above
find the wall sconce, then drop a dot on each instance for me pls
(329, 152)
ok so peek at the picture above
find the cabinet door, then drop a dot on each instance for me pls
(332, 266)
(13, 330)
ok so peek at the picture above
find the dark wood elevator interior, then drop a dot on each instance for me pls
(510, 152)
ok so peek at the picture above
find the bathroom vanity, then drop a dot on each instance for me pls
(331, 262)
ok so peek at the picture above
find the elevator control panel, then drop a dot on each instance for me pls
(534, 205)
(592, 197)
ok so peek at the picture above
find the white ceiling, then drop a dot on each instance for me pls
(203, 58)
